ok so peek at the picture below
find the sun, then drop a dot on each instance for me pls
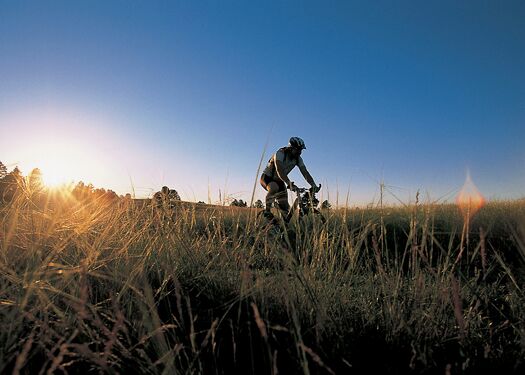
(63, 163)
(56, 170)
(67, 145)
(56, 176)
(63, 167)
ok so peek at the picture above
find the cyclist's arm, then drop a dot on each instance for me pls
(307, 176)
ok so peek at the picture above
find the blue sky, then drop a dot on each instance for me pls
(140, 94)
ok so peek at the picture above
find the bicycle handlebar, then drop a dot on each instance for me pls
(302, 190)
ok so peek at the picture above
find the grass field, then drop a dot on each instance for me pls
(123, 288)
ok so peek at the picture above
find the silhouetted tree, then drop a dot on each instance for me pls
(3, 170)
(110, 196)
(238, 203)
(161, 198)
(166, 198)
(34, 180)
(258, 204)
(12, 183)
(99, 193)
(173, 195)
(17, 174)
(3, 173)
(81, 191)
(34, 186)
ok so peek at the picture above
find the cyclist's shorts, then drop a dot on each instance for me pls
(265, 180)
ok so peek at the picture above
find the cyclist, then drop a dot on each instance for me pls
(274, 178)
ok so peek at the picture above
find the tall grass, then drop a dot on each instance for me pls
(124, 287)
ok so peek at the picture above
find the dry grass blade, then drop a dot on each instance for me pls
(457, 304)
(316, 358)
(258, 320)
(22, 357)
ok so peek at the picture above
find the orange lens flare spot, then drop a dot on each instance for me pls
(469, 198)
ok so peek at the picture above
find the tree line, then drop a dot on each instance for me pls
(14, 184)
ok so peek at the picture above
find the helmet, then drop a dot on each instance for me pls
(297, 143)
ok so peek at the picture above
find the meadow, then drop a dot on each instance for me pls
(124, 287)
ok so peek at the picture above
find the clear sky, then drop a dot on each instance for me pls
(188, 93)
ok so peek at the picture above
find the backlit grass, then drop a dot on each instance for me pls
(123, 287)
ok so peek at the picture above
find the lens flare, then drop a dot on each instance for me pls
(469, 198)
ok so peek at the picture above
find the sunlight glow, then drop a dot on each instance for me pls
(67, 146)
(62, 165)
(57, 171)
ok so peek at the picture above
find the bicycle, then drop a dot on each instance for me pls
(305, 203)
(285, 226)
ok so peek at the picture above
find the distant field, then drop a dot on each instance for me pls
(144, 202)
(124, 287)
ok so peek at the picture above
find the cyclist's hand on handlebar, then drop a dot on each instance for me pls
(292, 186)
(315, 189)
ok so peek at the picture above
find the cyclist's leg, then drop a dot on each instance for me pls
(276, 191)
(272, 188)
(282, 200)
(273, 191)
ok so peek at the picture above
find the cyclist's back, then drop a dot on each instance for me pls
(288, 161)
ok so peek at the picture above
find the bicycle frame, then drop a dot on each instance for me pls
(304, 203)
